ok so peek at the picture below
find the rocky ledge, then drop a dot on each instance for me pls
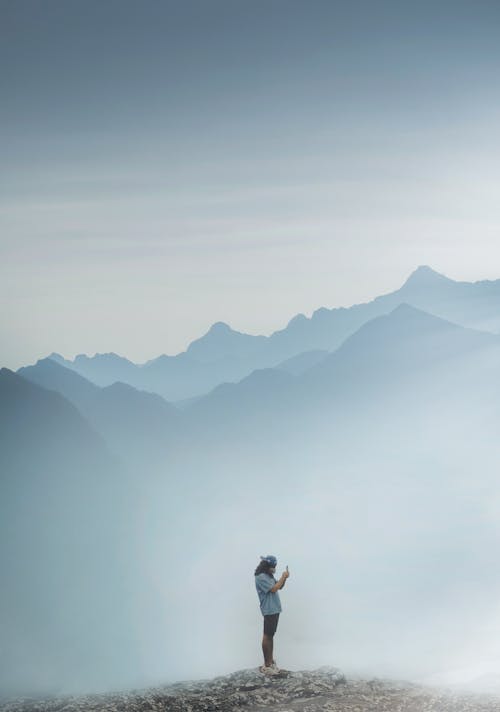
(322, 690)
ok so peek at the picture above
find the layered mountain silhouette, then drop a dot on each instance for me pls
(391, 354)
(224, 354)
(397, 350)
(43, 418)
(134, 423)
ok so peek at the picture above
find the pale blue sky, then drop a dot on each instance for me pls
(166, 165)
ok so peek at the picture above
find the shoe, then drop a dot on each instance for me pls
(268, 670)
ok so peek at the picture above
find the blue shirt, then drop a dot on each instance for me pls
(269, 601)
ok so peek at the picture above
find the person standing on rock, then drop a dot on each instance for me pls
(270, 606)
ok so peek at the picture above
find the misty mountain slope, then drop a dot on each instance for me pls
(31, 410)
(173, 377)
(407, 368)
(402, 345)
(223, 342)
(471, 304)
(65, 518)
(225, 355)
(379, 358)
(408, 372)
(139, 426)
(53, 375)
(135, 424)
(475, 305)
(303, 362)
(257, 389)
(235, 416)
(407, 382)
(183, 376)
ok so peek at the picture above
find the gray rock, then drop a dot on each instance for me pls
(321, 690)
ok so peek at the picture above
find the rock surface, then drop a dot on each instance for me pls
(322, 690)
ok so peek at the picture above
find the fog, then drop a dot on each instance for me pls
(384, 504)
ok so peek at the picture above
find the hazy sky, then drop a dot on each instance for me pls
(165, 165)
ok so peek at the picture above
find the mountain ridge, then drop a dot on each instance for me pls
(223, 354)
(122, 413)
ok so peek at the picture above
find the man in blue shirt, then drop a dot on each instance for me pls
(270, 606)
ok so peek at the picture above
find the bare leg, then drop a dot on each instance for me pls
(267, 649)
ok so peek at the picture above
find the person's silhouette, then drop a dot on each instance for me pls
(270, 605)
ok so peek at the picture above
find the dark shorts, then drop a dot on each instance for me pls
(270, 624)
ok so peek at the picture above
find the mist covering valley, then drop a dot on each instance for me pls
(360, 446)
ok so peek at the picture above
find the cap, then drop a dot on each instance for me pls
(270, 559)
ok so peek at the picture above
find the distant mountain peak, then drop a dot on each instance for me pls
(54, 356)
(120, 387)
(298, 319)
(405, 308)
(49, 362)
(220, 327)
(425, 276)
(410, 315)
